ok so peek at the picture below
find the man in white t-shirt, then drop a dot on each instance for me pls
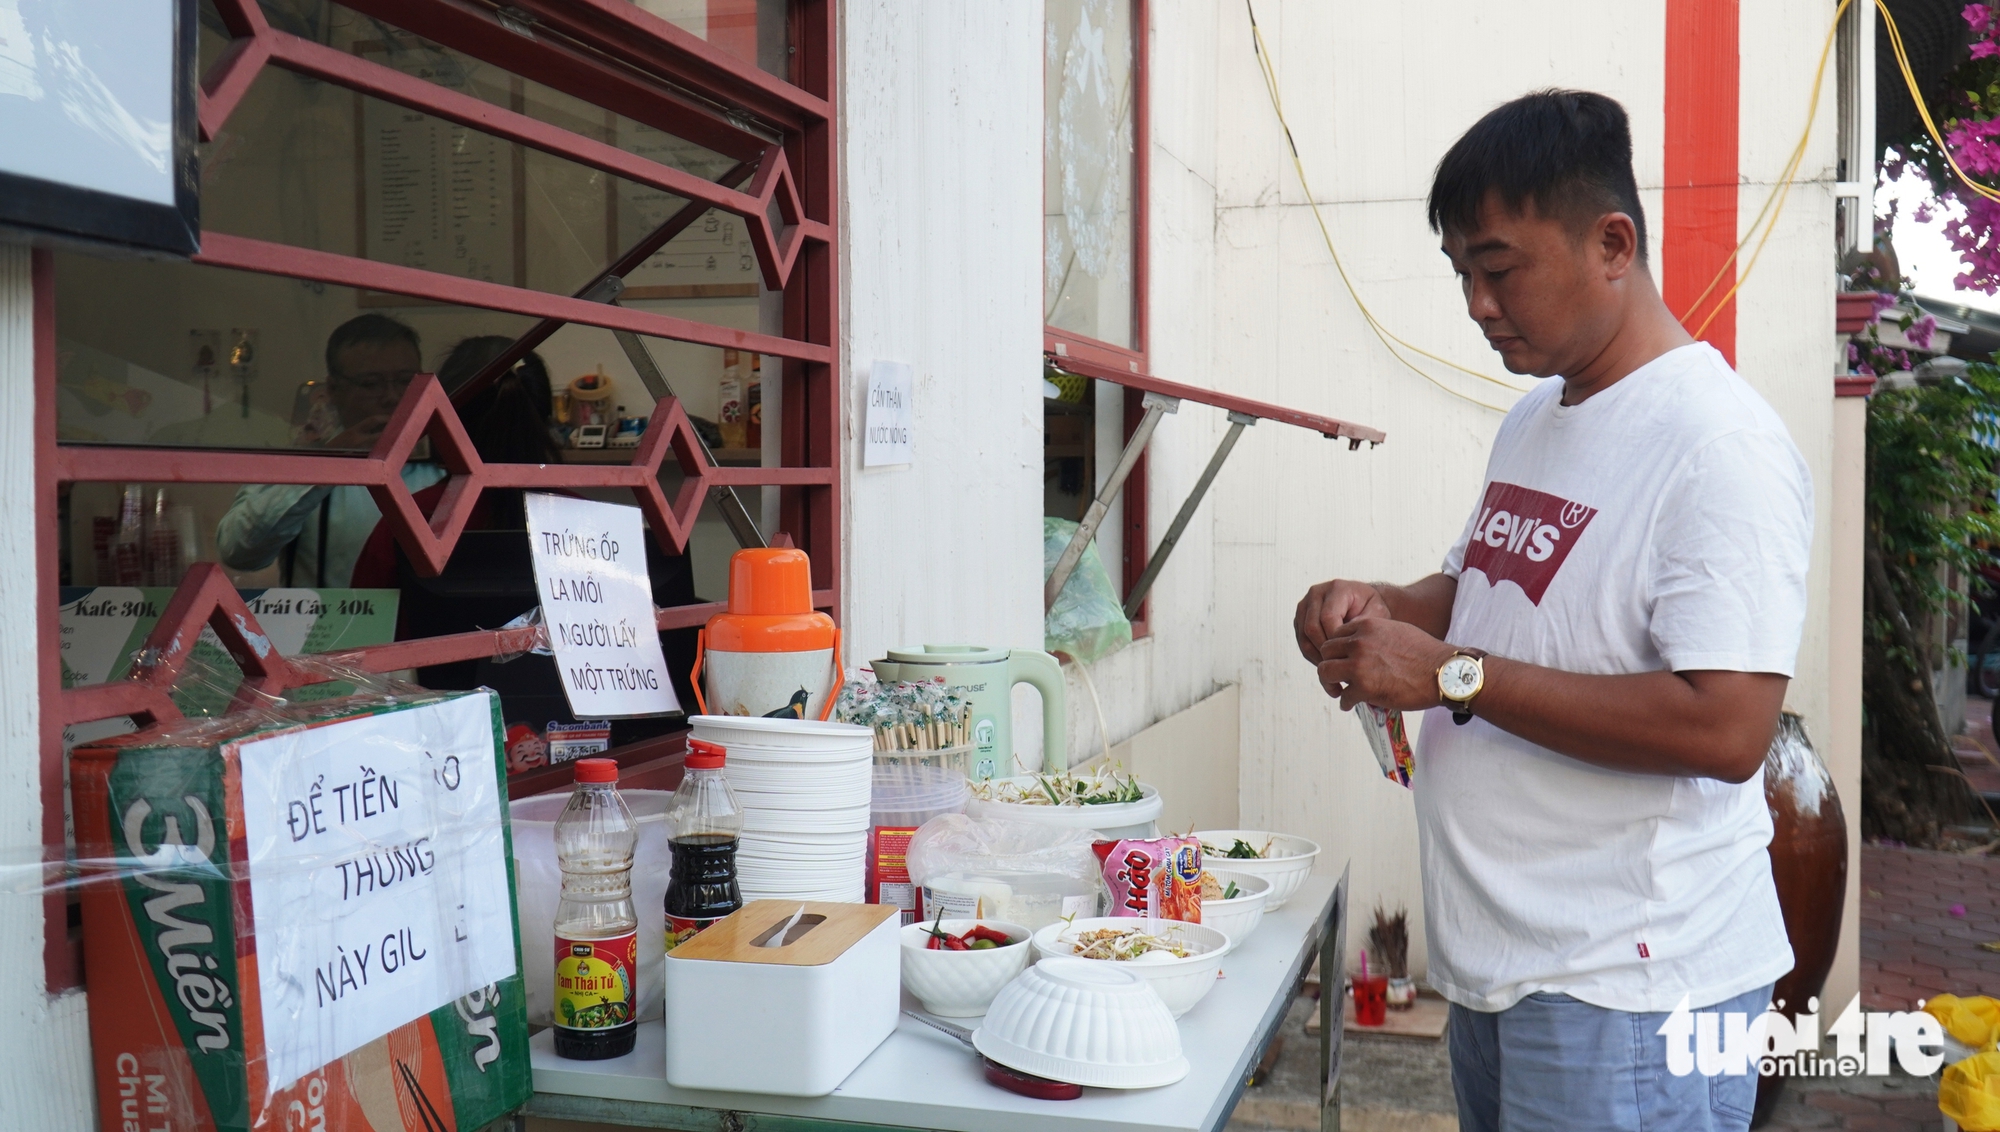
(1605, 653)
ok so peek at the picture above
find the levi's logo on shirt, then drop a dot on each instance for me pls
(1523, 536)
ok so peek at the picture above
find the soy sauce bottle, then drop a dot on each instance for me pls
(596, 930)
(706, 823)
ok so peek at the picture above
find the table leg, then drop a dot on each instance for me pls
(1332, 1005)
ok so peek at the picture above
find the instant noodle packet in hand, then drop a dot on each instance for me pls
(1156, 877)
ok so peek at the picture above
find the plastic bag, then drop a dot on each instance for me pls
(1970, 1093)
(1974, 1021)
(954, 843)
(1021, 873)
(1087, 621)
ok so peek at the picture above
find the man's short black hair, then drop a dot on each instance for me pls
(1569, 151)
(368, 330)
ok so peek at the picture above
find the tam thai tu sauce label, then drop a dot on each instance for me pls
(594, 980)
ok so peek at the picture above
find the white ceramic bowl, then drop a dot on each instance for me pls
(1117, 819)
(1239, 917)
(961, 984)
(1083, 1022)
(1181, 983)
(1290, 861)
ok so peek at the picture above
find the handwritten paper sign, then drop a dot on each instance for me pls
(590, 565)
(378, 875)
(891, 415)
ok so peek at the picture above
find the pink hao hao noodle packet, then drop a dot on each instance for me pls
(1157, 876)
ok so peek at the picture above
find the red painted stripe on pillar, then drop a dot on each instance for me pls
(1698, 215)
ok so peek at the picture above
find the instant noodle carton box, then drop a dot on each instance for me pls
(303, 921)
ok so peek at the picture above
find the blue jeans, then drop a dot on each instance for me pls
(1551, 1063)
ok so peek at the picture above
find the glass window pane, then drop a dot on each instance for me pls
(171, 354)
(751, 30)
(306, 163)
(1087, 168)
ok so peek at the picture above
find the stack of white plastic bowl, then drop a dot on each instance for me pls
(805, 788)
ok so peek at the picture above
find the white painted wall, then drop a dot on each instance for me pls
(941, 181)
(45, 1080)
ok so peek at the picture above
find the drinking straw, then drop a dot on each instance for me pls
(1364, 964)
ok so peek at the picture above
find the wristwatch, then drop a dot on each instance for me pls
(1460, 679)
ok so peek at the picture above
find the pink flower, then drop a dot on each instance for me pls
(1985, 49)
(1976, 144)
(1920, 332)
(1978, 16)
(1853, 353)
(1924, 211)
(1883, 301)
(1958, 910)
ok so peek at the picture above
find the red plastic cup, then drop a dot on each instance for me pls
(1371, 1000)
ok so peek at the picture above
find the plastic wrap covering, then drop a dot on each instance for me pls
(1021, 872)
(300, 913)
(1087, 621)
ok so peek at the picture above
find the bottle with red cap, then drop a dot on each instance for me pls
(597, 929)
(705, 823)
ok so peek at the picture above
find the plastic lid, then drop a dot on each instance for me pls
(770, 580)
(596, 770)
(704, 755)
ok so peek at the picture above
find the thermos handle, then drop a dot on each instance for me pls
(1044, 673)
(839, 678)
(694, 678)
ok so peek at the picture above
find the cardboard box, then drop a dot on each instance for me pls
(303, 922)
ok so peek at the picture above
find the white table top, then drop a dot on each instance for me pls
(920, 1078)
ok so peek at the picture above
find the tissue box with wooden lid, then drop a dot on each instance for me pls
(793, 1019)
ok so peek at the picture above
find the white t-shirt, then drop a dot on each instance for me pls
(1664, 523)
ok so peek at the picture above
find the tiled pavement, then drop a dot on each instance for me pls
(1923, 917)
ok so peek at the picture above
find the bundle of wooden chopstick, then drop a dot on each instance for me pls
(918, 716)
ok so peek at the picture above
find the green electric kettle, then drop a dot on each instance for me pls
(985, 677)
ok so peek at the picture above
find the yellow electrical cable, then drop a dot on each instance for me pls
(1389, 340)
(1774, 202)
(1916, 96)
(1777, 194)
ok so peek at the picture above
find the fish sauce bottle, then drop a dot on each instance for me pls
(705, 823)
(597, 929)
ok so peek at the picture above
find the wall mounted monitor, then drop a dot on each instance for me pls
(97, 122)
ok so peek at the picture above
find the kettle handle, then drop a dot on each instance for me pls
(1044, 673)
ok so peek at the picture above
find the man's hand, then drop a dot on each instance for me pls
(1329, 606)
(1375, 660)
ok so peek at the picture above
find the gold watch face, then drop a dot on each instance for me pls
(1460, 678)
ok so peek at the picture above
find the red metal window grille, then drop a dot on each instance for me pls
(607, 52)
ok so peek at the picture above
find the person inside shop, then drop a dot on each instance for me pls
(1602, 656)
(318, 531)
(508, 422)
(489, 580)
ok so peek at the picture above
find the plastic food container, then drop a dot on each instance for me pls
(1118, 819)
(538, 883)
(905, 797)
(1180, 983)
(1086, 1023)
(1239, 917)
(1034, 899)
(961, 984)
(1287, 865)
